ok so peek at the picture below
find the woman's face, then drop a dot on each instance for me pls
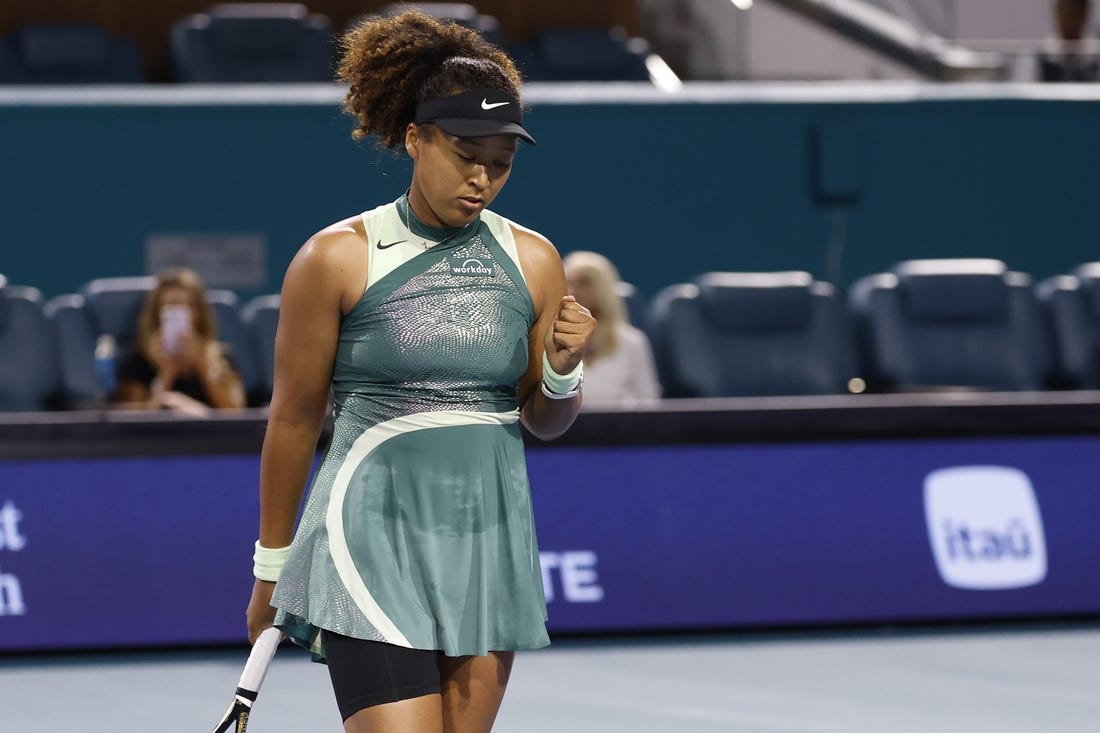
(454, 178)
(582, 288)
(176, 295)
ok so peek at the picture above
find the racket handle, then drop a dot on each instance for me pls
(255, 669)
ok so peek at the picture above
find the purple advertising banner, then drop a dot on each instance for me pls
(153, 551)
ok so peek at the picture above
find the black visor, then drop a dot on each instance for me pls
(475, 113)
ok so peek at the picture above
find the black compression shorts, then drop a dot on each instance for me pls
(366, 673)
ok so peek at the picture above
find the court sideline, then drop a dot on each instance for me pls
(1018, 679)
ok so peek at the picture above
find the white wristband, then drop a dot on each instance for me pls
(562, 385)
(268, 563)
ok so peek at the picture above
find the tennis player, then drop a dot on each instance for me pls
(440, 326)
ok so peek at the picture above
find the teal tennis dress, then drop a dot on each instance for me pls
(418, 530)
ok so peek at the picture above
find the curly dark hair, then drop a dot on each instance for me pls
(393, 63)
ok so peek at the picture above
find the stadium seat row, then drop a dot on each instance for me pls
(60, 353)
(923, 325)
(284, 42)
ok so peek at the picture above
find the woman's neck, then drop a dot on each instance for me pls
(423, 212)
(430, 228)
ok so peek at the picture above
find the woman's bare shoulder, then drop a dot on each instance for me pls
(335, 258)
(337, 247)
(347, 237)
(533, 248)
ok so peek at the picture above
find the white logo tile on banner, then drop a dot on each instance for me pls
(984, 527)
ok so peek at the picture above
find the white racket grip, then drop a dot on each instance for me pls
(259, 659)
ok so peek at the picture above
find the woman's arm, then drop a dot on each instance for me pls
(561, 331)
(326, 275)
(220, 381)
(135, 374)
(132, 394)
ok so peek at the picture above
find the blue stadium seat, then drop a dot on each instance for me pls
(114, 304)
(81, 386)
(29, 373)
(68, 54)
(1072, 305)
(951, 323)
(261, 318)
(740, 334)
(583, 54)
(234, 335)
(253, 42)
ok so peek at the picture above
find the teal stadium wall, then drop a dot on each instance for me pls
(719, 178)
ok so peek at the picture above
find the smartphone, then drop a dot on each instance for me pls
(175, 320)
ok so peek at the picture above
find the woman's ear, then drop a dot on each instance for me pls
(412, 140)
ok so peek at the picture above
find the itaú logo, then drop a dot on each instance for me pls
(471, 266)
(985, 528)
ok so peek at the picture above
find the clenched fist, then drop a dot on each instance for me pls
(567, 338)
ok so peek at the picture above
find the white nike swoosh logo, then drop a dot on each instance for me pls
(485, 104)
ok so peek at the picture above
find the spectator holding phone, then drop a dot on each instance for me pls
(176, 361)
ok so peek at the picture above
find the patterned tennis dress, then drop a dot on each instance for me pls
(418, 530)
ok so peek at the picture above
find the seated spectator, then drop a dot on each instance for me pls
(618, 366)
(176, 362)
(1068, 58)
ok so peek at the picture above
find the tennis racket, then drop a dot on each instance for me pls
(236, 717)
